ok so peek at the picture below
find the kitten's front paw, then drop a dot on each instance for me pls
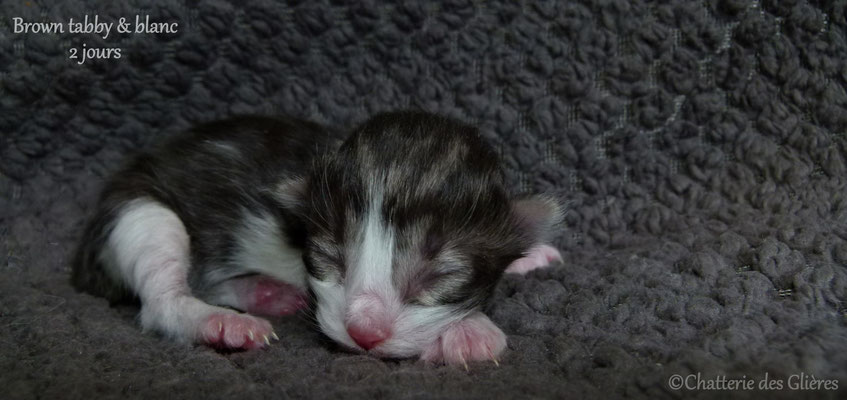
(236, 331)
(540, 256)
(474, 338)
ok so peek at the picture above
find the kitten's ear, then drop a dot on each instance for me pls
(290, 193)
(537, 216)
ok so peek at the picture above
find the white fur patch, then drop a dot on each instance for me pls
(415, 328)
(368, 272)
(331, 310)
(261, 249)
(147, 236)
(372, 255)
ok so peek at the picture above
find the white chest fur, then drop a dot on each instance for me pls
(261, 248)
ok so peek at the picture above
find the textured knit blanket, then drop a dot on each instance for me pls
(700, 147)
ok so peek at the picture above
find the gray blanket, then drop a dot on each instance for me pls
(700, 145)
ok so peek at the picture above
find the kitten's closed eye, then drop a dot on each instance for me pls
(326, 264)
(435, 286)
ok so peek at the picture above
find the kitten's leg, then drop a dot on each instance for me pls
(148, 250)
(539, 256)
(258, 294)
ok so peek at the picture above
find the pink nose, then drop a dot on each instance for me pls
(367, 337)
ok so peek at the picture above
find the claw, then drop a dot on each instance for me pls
(267, 341)
(497, 363)
(250, 334)
(273, 334)
(465, 363)
(220, 327)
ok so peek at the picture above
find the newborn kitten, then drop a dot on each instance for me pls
(400, 233)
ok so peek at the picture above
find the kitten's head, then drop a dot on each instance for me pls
(409, 228)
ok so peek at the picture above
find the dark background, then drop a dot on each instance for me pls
(700, 145)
